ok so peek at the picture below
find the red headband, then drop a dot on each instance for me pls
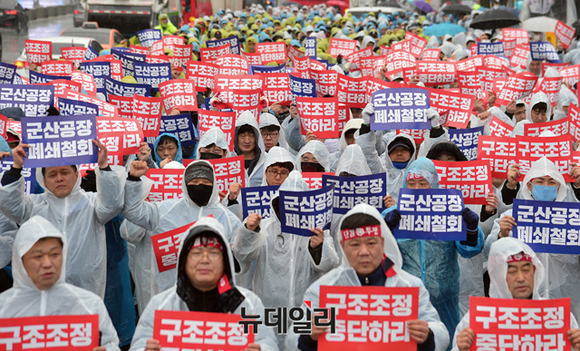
(519, 257)
(361, 232)
(203, 241)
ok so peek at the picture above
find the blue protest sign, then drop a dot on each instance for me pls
(17, 80)
(68, 107)
(29, 174)
(490, 48)
(128, 60)
(7, 73)
(466, 140)
(34, 100)
(114, 87)
(91, 53)
(59, 140)
(253, 69)
(302, 87)
(301, 211)
(543, 50)
(99, 70)
(152, 73)
(351, 191)
(548, 226)
(180, 126)
(257, 200)
(233, 42)
(148, 36)
(39, 78)
(400, 108)
(310, 46)
(433, 214)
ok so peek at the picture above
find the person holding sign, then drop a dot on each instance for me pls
(167, 149)
(39, 269)
(515, 273)
(543, 182)
(272, 133)
(371, 257)
(213, 144)
(165, 25)
(286, 264)
(435, 261)
(205, 283)
(80, 215)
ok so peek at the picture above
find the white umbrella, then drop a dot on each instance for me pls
(539, 24)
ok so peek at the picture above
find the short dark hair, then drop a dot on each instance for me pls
(166, 139)
(542, 106)
(288, 165)
(43, 170)
(270, 128)
(358, 220)
(51, 237)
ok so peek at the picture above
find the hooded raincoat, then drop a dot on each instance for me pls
(318, 150)
(160, 217)
(80, 217)
(254, 172)
(230, 301)
(536, 99)
(178, 156)
(268, 119)
(26, 300)
(345, 275)
(435, 261)
(213, 136)
(285, 263)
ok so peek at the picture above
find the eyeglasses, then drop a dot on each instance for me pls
(212, 254)
(270, 135)
(275, 173)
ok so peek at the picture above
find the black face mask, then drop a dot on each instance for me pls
(346, 174)
(311, 167)
(200, 194)
(283, 115)
(208, 156)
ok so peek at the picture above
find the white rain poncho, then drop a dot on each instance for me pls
(352, 161)
(268, 119)
(8, 231)
(562, 270)
(498, 267)
(254, 172)
(214, 136)
(170, 299)
(345, 275)
(276, 155)
(536, 99)
(285, 267)
(160, 217)
(142, 256)
(318, 150)
(26, 300)
(80, 217)
(565, 98)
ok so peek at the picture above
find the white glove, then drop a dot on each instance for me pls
(367, 112)
(433, 115)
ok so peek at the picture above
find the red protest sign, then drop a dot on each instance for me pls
(564, 33)
(574, 118)
(431, 55)
(214, 119)
(558, 127)
(396, 61)
(314, 179)
(487, 76)
(343, 117)
(253, 59)
(417, 44)
(518, 86)
(76, 54)
(325, 81)
(57, 67)
(354, 58)
(3, 122)
(499, 128)
(105, 109)
(14, 125)
(358, 308)
(201, 74)
(352, 91)
(436, 73)
(508, 323)
(557, 66)
(181, 54)
(157, 59)
(499, 151)
(457, 107)
(222, 82)
(64, 332)
(318, 115)
(519, 56)
(147, 110)
(473, 178)
(418, 135)
(240, 100)
(375, 84)
(38, 51)
(498, 84)
(557, 149)
(60, 85)
(138, 50)
(87, 82)
(470, 64)
(509, 46)
(166, 245)
(166, 184)
(570, 75)
(301, 67)
(276, 88)
(293, 52)
(200, 331)
(124, 105)
(232, 65)
(468, 82)
(228, 171)
(179, 93)
(551, 87)
(272, 52)
(384, 50)
(520, 35)
(121, 136)
(211, 54)
(342, 47)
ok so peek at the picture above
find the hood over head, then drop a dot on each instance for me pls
(214, 136)
(178, 156)
(320, 152)
(277, 155)
(353, 161)
(396, 139)
(537, 98)
(446, 147)
(424, 168)
(268, 119)
(204, 169)
(541, 168)
(247, 118)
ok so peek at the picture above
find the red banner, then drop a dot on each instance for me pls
(166, 184)
(470, 64)
(14, 125)
(352, 91)
(551, 87)
(431, 55)
(200, 331)
(574, 118)
(301, 67)
(38, 51)
(457, 107)
(354, 58)
(124, 105)
(276, 88)
(57, 67)
(272, 52)
(138, 50)
(314, 179)
(166, 245)
(64, 332)
(570, 75)
(222, 82)
(412, 44)
(518, 86)
(319, 115)
(3, 122)
(87, 82)
(292, 53)
(343, 117)
(468, 82)
(253, 59)
(325, 81)
(473, 178)
(201, 74)
(564, 33)
(519, 56)
(240, 100)
(60, 85)
(520, 35)
(147, 110)
(121, 136)
(557, 149)
(370, 318)
(76, 54)
(519, 324)
(436, 73)
(396, 61)
(179, 93)
(181, 55)
(211, 54)
(232, 65)
(384, 50)
(227, 171)
(222, 120)
(342, 47)
(557, 66)
(157, 59)
(105, 109)
(499, 128)
(559, 127)
(500, 151)
(487, 76)
(509, 46)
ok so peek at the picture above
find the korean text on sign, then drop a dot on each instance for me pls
(351, 191)
(400, 108)
(519, 324)
(257, 200)
(473, 178)
(370, 318)
(228, 171)
(318, 115)
(167, 184)
(466, 140)
(166, 246)
(301, 211)
(434, 214)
